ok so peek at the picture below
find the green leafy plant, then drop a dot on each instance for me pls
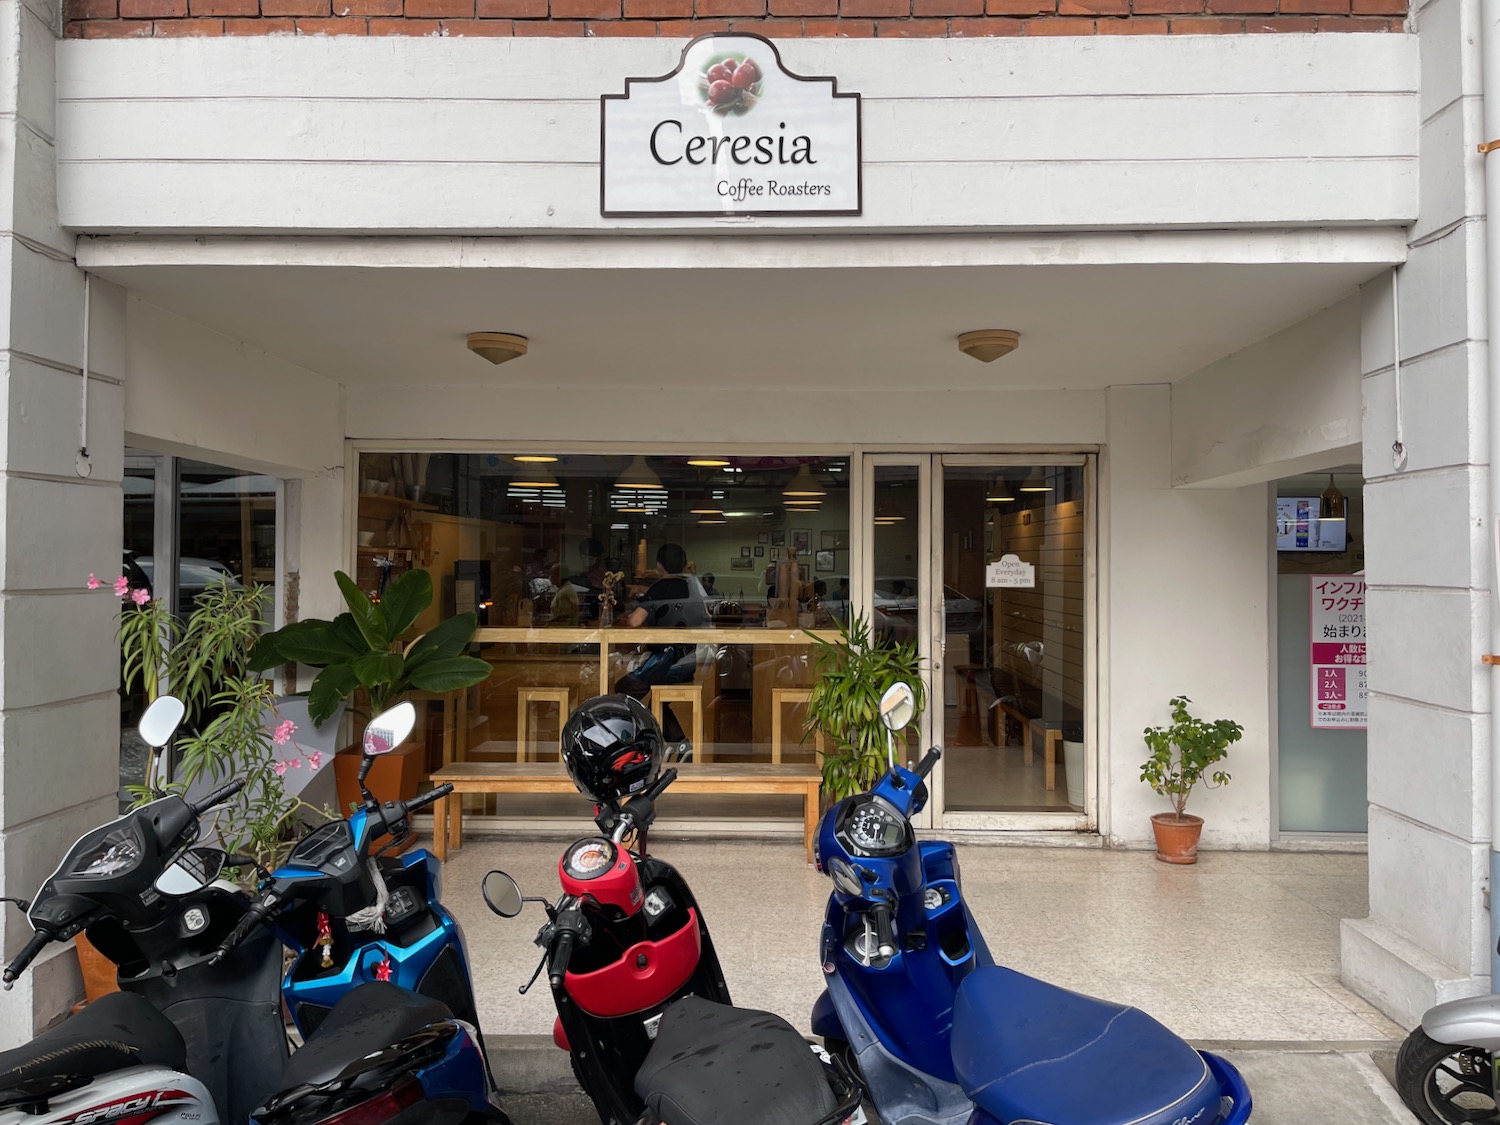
(853, 673)
(1183, 753)
(205, 662)
(358, 649)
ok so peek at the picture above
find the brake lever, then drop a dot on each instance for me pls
(540, 965)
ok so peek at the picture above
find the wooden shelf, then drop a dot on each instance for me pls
(398, 502)
(384, 550)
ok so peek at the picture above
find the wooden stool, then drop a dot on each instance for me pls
(780, 697)
(682, 693)
(969, 733)
(525, 697)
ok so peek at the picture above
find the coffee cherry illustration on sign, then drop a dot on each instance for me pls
(732, 85)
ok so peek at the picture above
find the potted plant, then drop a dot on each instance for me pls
(853, 673)
(1181, 756)
(359, 651)
(233, 710)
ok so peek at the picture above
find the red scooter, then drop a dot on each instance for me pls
(642, 1007)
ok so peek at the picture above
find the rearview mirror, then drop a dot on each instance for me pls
(897, 706)
(389, 729)
(502, 894)
(195, 869)
(160, 721)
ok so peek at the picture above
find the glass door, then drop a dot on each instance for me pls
(987, 562)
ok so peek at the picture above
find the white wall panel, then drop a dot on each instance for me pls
(413, 134)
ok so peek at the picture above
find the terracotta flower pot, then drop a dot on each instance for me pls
(1177, 838)
(393, 777)
(100, 976)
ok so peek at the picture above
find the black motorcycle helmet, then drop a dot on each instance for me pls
(611, 748)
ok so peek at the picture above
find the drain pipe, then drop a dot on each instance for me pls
(1489, 61)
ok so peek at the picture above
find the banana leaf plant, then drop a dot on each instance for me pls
(359, 649)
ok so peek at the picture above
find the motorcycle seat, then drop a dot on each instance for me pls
(1025, 1050)
(365, 1020)
(115, 1032)
(713, 1064)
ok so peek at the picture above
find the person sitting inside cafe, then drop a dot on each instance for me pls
(673, 600)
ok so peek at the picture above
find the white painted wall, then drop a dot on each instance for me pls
(194, 390)
(1186, 586)
(59, 714)
(1427, 935)
(1290, 402)
(276, 133)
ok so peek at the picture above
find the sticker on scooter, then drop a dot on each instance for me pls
(136, 1110)
(651, 1024)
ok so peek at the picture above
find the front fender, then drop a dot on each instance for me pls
(1473, 1021)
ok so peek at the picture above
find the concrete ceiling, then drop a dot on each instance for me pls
(721, 330)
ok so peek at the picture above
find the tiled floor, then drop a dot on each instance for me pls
(1242, 946)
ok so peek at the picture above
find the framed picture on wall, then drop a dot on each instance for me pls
(834, 540)
(775, 554)
(742, 564)
(760, 552)
(801, 540)
(778, 537)
(763, 537)
(744, 552)
(825, 561)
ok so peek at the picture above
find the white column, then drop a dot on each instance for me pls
(59, 666)
(1427, 936)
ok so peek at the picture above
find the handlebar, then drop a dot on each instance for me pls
(428, 798)
(930, 759)
(562, 953)
(217, 797)
(257, 913)
(885, 932)
(25, 957)
(659, 786)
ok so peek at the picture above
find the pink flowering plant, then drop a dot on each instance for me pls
(235, 729)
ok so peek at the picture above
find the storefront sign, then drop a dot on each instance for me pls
(730, 132)
(1338, 651)
(1010, 571)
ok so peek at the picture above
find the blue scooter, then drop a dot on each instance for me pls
(941, 1034)
(378, 957)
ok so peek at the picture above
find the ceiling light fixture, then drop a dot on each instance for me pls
(707, 462)
(1036, 482)
(534, 458)
(803, 485)
(989, 344)
(497, 347)
(1332, 505)
(638, 475)
(544, 480)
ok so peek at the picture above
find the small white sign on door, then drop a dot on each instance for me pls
(1010, 571)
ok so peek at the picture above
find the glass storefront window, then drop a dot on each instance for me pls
(722, 562)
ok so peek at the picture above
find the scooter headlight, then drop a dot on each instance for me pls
(845, 879)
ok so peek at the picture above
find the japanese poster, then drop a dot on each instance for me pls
(1338, 651)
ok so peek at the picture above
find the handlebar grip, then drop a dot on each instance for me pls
(253, 917)
(659, 786)
(218, 796)
(25, 957)
(562, 953)
(885, 932)
(428, 798)
(930, 759)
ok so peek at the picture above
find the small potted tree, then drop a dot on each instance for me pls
(361, 650)
(853, 673)
(1181, 756)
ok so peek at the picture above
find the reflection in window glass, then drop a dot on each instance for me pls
(722, 561)
(1014, 667)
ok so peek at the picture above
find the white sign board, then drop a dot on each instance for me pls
(1339, 695)
(729, 132)
(1010, 571)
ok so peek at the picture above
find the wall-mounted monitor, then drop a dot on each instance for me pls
(1298, 527)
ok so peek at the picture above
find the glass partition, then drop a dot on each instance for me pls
(685, 581)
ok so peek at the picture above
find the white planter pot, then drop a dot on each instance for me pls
(1073, 770)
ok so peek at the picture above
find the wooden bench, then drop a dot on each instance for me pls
(1051, 739)
(548, 777)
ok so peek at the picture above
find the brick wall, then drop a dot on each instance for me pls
(116, 19)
